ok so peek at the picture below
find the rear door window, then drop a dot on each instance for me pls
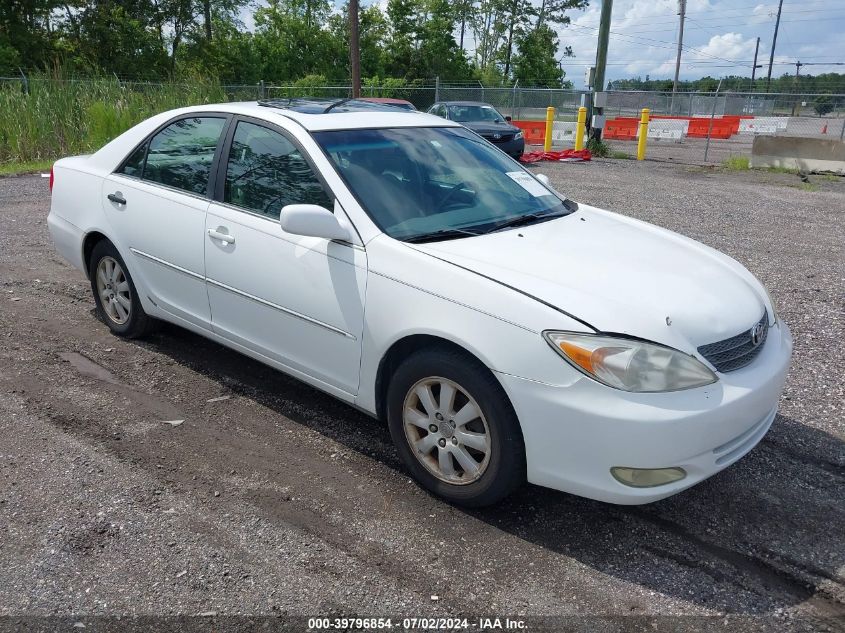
(181, 155)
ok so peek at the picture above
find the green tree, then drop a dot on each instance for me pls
(373, 31)
(25, 33)
(290, 41)
(536, 62)
(823, 105)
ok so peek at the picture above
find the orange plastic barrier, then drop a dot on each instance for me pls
(700, 128)
(625, 128)
(621, 128)
(534, 131)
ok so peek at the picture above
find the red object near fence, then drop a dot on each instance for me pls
(721, 128)
(534, 131)
(621, 128)
(567, 155)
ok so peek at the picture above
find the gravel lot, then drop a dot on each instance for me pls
(280, 500)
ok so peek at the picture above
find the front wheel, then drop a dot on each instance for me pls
(455, 429)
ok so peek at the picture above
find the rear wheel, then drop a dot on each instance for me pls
(115, 294)
(455, 428)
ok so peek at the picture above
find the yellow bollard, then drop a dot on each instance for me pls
(580, 127)
(643, 134)
(550, 121)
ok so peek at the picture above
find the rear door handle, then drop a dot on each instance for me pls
(223, 237)
(116, 197)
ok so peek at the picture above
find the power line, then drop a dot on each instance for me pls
(651, 39)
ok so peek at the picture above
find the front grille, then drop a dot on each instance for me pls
(737, 351)
(504, 138)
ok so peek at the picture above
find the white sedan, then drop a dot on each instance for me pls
(406, 266)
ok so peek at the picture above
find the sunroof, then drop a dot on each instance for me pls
(316, 105)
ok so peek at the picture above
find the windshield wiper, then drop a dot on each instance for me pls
(441, 235)
(528, 218)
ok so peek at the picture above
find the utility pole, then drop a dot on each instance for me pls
(756, 65)
(772, 52)
(796, 109)
(601, 61)
(354, 49)
(682, 9)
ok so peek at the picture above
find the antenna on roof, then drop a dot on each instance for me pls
(338, 103)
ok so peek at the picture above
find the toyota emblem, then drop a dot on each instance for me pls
(757, 334)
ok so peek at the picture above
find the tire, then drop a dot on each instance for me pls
(114, 292)
(492, 439)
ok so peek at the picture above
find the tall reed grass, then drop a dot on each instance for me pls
(59, 117)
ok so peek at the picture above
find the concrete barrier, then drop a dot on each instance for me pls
(563, 132)
(806, 154)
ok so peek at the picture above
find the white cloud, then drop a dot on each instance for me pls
(719, 38)
(730, 46)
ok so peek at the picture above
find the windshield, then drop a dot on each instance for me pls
(467, 113)
(419, 181)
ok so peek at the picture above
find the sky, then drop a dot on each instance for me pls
(719, 38)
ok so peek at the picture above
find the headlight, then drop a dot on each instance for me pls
(517, 136)
(629, 364)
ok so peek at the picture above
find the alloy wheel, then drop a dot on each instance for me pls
(113, 288)
(446, 430)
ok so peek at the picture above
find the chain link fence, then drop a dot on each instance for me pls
(691, 128)
(714, 128)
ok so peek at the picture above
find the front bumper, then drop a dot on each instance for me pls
(513, 147)
(574, 434)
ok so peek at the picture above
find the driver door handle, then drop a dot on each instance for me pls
(116, 197)
(223, 237)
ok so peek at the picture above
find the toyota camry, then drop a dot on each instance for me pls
(403, 264)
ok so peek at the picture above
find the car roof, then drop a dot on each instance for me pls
(383, 100)
(464, 103)
(330, 114)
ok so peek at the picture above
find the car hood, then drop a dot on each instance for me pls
(618, 275)
(487, 128)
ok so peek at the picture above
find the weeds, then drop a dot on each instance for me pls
(598, 148)
(59, 117)
(781, 170)
(25, 168)
(736, 163)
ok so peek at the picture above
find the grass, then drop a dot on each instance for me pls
(10, 169)
(60, 117)
(736, 163)
(620, 155)
(781, 170)
(598, 148)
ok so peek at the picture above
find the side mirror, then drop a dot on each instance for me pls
(508, 118)
(313, 221)
(544, 179)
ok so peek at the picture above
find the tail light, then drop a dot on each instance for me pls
(52, 178)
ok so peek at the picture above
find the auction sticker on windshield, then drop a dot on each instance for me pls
(527, 182)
